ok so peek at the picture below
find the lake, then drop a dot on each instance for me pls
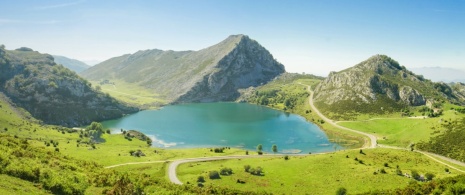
(226, 125)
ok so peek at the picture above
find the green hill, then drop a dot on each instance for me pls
(72, 64)
(378, 85)
(215, 73)
(52, 93)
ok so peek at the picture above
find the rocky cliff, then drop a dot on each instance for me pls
(212, 74)
(52, 93)
(375, 85)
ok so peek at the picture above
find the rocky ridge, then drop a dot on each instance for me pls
(379, 81)
(215, 73)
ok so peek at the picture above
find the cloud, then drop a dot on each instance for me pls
(59, 5)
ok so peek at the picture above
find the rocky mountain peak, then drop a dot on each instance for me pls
(211, 74)
(379, 81)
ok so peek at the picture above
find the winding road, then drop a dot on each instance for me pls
(373, 139)
(372, 144)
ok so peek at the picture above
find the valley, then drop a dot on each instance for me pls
(372, 128)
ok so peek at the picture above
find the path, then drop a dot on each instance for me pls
(373, 144)
(136, 163)
(373, 139)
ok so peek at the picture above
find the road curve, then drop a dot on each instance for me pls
(373, 139)
(172, 168)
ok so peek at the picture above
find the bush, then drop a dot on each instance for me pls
(246, 168)
(386, 165)
(226, 171)
(415, 175)
(429, 176)
(260, 153)
(200, 179)
(341, 191)
(383, 171)
(286, 157)
(214, 175)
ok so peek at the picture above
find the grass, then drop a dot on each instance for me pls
(132, 94)
(319, 174)
(402, 131)
(13, 185)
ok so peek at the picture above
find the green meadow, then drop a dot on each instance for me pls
(404, 131)
(319, 174)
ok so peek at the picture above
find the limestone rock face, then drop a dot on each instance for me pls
(248, 64)
(215, 73)
(378, 79)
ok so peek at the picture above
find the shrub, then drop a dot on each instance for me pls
(226, 171)
(429, 176)
(200, 179)
(383, 171)
(246, 152)
(286, 157)
(341, 191)
(399, 172)
(246, 168)
(386, 165)
(415, 175)
(214, 175)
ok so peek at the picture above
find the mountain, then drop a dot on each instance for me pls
(438, 74)
(51, 92)
(72, 64)
(215, 73)
(379, 84)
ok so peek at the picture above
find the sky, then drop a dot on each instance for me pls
(310, 36)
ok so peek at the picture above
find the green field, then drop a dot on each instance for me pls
(319, 174)
(13, 185)
(132, 94)
(402, 131)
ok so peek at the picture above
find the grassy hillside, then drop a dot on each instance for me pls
(319, 174)
(402, 131)
(52, 93)
(132, 94)
(72, 64)
(449, 142)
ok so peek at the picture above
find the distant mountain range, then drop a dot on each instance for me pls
(53, 93)
(216, 73)
(72, 64)
(380, 84)
(437, 74)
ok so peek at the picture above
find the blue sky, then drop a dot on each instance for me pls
(306, 36)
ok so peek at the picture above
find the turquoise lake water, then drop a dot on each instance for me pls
(225, 125)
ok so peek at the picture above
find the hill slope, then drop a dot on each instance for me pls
(72, 64)
(51, 92)
(379, 84)
(212, 74)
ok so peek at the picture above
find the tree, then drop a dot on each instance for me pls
(200, 179)
(214, 175)
(341, 191)
(429, 176)
(246, 168)
(274, 148)
(259, 148)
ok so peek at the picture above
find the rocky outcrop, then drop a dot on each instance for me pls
(215, 73)
(248, 64)
(379, 80)
(52, 93)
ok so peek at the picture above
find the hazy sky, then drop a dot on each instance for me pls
(306, 36)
